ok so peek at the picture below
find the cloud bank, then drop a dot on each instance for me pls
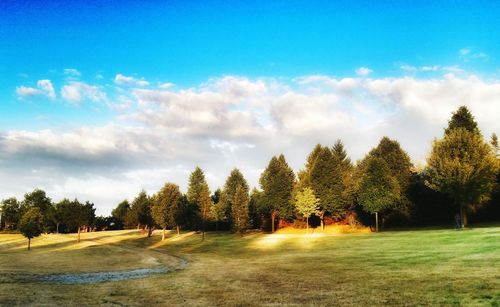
(160, 134)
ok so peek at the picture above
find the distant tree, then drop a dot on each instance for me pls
(80, 215)
(38, 199)
(216, 196)
(199, 194)
(462, 118)
(140, 212)
(165, 206)
(31, 224)
(104, 222)
(120, 213)
(63, 213)
(307, 204)
(10, 211)
(378, 189)
(463, 166)
(235, 206)
(239, 208)
(218, 213)
(188, 214)
(277, 183)
(304, 175)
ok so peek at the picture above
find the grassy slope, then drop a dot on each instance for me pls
(424, 267)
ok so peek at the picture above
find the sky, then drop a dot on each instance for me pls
(100, 99)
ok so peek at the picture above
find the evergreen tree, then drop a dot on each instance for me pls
(119, 213)
(378, 189)
(277, 183)
(463, 166)
(324, 180)
(307, 204)
(31, 224)
(230, 200)
(165, 206)
(462, 118)
(199, 194)
(239, 208)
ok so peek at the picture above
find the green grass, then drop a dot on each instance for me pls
(426, 267)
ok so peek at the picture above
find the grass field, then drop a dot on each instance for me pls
(424, 267)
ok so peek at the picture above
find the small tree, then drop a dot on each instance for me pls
(31, 224)
(307, 204)
(165, 206)
(378, 189)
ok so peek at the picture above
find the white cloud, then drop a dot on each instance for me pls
(77, 91)
(24, 91)
(130, 81)
(363, 71)
(44, 87)
(72, 72)
(469, 54)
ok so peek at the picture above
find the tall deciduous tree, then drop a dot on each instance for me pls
(165, 206)
(277, 182)
(378, 189)
(199, 194)
(31, 224)
(463, 166)
(307, 204)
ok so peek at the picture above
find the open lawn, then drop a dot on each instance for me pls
(442, 267)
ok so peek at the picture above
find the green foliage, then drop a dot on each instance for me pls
(330, 177)
(140, 210)
(120, 213)
(462, 118)
(166, 205)
(31, 223)
(199, 194)
(307, 203)
(378, 189)
(38, 199)
(277, 184)
(235, 200)
(256, 208)
(462, 166)
(10, 208)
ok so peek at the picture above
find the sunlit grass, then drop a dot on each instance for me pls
(441, 267)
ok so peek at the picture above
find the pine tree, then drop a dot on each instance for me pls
(239, 208)
(462, 118)
(140, 212)
(277, 183)
(199, 194)
(234, 181)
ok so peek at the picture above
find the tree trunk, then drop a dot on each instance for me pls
(178, 231)
(163, 234)
(322, 219)
(57, 228)
(273, 217)
(78, 240)
(150, 231)
(307, 225)
(376, 221)
(29, 243)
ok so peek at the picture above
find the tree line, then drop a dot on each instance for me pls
(384, 188)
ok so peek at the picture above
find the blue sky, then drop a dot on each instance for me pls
(100, 72)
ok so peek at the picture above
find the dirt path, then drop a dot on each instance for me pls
(164, 263)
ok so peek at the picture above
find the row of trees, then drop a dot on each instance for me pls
(462, 173)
